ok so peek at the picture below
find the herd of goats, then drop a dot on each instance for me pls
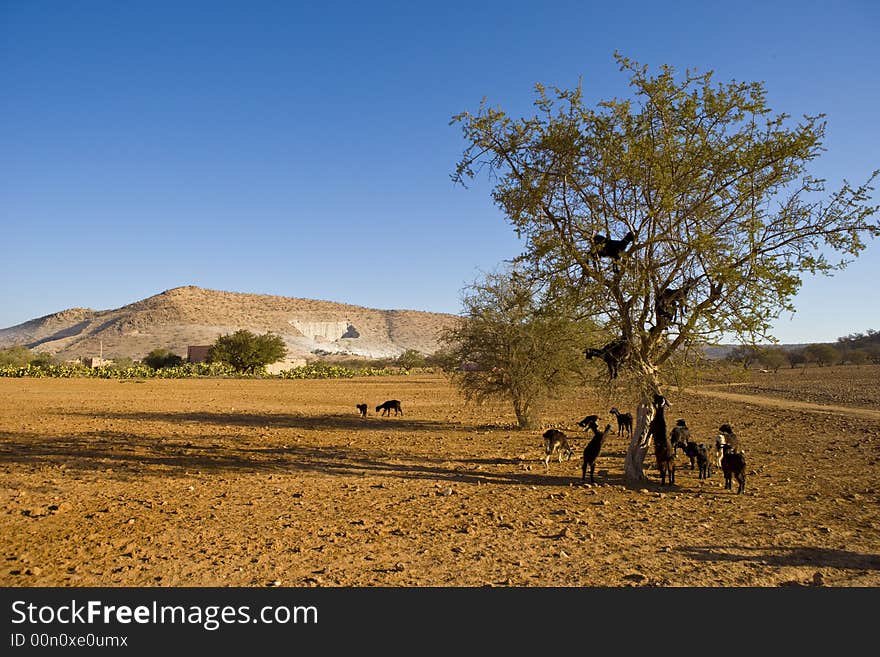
(728, 454)
(668, 305)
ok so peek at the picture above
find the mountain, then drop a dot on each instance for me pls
(184, 316)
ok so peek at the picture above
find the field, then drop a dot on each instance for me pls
(280, 483)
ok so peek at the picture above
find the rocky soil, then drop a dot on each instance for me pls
(281, 483)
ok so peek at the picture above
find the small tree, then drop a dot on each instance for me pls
(508, 346)
(246, 351)
(161, 357)
(44, 358)
(410, 358)
(857, 357)
(821, 354)
(745, 355)
(773, 358)
(796, 357)
(16, 356)
(705, 188)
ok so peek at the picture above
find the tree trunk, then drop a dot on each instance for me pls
(523, 412)
(633, 466)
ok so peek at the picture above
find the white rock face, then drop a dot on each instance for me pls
(321, 331)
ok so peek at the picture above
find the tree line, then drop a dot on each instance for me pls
(854, 349)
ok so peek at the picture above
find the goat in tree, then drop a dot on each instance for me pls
(591, 451)
(605, 247)
(670, 302)
(613, 353)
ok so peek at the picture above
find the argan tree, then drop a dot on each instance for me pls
(509, 347)
(246, 351)
(706, 188)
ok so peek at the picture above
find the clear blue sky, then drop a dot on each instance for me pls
(304, 149)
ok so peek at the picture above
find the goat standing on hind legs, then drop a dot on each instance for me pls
(663, 449)
(591, 451)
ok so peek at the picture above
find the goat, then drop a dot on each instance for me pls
(690, 449)
(613, 353)
(605, 247)
(733, 465)
(587, 421)
(671, 302)
(730, 437)
(726, 436)
(624, 422)
(663, 450)
(388, 406)
(703, 461)
(680, 436)
(591, 451)
(362, 409)
(556, 441)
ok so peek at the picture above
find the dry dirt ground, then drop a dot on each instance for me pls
(280, 483)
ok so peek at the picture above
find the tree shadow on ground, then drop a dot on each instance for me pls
(785, 556)
(125, 455)
(338, 421)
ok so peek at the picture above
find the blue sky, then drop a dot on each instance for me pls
(304, 149)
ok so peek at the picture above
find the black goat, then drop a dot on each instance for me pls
(690, 449)
(555, 441)
(703, 461)
(670, 303)
(613, 353)
(624, 422)
(388, 406)
(663, 450)
(587, 421)
(362, 409)
(591, 451)
(605, 247)
(733, 465)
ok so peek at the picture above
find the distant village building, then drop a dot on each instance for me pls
(97, 362)
(197, 353)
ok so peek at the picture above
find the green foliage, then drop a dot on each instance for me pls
(15, 356)
(821, 354)
(857, 357)
(745, 355)
(511, 347)
(43, 358)
(411, 358)
(246, 351)
(68, 370)
(773, 358)
(712, 183)
(161, 357)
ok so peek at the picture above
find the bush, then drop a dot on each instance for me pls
(16, 356)
(160, 358)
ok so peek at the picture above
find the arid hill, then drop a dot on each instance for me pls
(191, 315)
